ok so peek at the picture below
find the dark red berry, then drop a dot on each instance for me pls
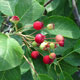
(55, 46)
(34, 54)
(59, 38)
(61, 43)
(39, 38)
(47, 60)
(38, 25)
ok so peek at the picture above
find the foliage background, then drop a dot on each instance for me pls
(59, 12)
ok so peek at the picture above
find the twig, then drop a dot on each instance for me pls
(47, 3)
(30, 64)
(75, 12)
(45, 12)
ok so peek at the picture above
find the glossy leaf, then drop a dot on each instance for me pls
(11, 53)
(44, 77)
(63, 26)
(27, 11)
(12, 74)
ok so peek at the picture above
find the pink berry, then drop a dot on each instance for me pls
(47, 60)
(39, 38)
(34, 54)
(52, 56)
(38, 25)
(59, 38)
(61, 43)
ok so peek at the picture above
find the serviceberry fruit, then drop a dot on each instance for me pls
(50, 26)
(61, 43)
(39, 38)
(34, 54)
(47, 60)
(52, 45)
(52, 56)
(55, 46)
(14, 19)
(38, 25)
(59, 38)
(34, 44)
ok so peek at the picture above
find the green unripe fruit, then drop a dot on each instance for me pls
(34, 44)
(52, 45)
(42, 46)
(50, 26)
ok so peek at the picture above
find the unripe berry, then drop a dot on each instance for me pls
(39, 38)
(52, 56)
(14, 19)
(44, 46)
(61, 43)
(52, 45)
(59, 38)
(50, 26)
(34, 44)
(34, 54)
(47, 60)
(38, 25)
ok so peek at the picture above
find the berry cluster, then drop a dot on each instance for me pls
(40, 41)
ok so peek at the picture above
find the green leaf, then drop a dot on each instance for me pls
(28, 11)
(77, 46)
(52, 6)
(40, 67)
(65, 76)
(17, 38)
(45, 77)
(68, 43)
(63, 26)
(11, 53)
(8, 7)
(27, 76)
(66, 67)
(13, 74)
(24, 67)
(73, 59)
(52, 72)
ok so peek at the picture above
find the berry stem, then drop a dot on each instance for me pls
(49, 38)
(15, 27)
(30, 64)
(33, 32)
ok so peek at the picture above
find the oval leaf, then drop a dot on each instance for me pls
(63, 26)
(10, 53)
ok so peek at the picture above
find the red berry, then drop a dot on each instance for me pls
(52, 56)
(14, 19)
(38, 25)
(39, 38)
(61, 43)
(59, 38)
(55, 46)
(47, 60)
(34, 54)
